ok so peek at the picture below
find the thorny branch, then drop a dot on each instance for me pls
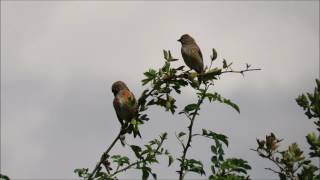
(185, 149)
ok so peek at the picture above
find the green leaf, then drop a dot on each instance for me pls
(165, 55)
(154, 175)
(214, 160)
(120, 160)
(217, 97)
(166, 67)
(225, 65)
(204, 132)
(213, 149)
(230, 103)
(82, 172)
(215, 136)
(213, 169)
(211, 74)
(193, 165)
(4, 177)
(145, 173)
(170, 160)
(164, 135)
(151, 74)
(214, 54)
(136, 150)
(308, 172)
(181, 134)
(302, 101)
(191, 107)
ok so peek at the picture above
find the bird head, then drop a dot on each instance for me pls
(118, 86)
(186, 39)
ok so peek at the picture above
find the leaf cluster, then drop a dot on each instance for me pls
(289, 161)
(163, 84)
(148, 155)
(221, 168)
(4, 177)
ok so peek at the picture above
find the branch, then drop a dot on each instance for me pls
(181, 142)
(185, 149)
(271, 159)
(241, 71)
(104, 155)
(273, 170)
(137, 162)
(126, 168)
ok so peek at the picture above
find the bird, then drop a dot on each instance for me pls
(191, 53)
(124, 103)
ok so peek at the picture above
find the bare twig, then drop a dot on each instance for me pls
(270, 169)
(241, 71)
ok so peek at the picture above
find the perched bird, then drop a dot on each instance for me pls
(124, 103)
(191, 53)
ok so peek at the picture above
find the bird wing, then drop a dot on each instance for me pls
(197, 55)
(125, 105)
(199, 52)
(117, 108)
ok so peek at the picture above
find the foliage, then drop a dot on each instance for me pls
(291, 163)
(144, 158)
(163, 85)
(4, 177)
(311, 105)
(221, 168)
(288, 161)
(311, 102)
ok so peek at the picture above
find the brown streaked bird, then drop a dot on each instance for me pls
(124, 103)
(191, 53)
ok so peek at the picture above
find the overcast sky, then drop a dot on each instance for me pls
(59, 59)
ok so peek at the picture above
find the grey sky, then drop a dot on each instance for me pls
(59, 59)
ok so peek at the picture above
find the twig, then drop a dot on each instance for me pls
(185, 149)
(240, 72)
(271, 159)
(273, 170)
(135, 163)
(181, 142)
(104, 155)
(125, 168)
(114, 142)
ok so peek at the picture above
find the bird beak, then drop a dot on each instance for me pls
(179, 40)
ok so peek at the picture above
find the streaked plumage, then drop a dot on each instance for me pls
(191, 53)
